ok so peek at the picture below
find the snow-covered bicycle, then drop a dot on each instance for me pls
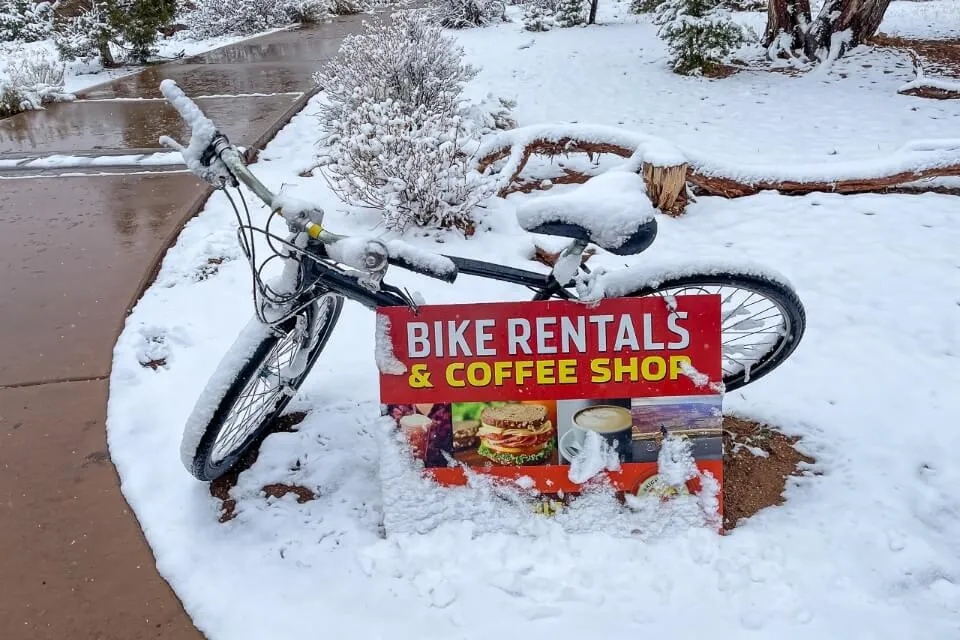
(762, 317)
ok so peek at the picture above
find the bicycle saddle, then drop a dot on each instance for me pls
(611, 210)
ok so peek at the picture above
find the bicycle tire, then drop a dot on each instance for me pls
(779, 293)
(246, 360)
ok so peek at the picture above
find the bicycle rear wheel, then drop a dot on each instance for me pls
(762, 323)
(255, 381)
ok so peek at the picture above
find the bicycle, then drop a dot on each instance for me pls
(763, 319)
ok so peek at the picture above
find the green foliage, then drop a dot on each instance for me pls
(700, 34)
(130, 24)
(25, 20)
(138, 21)
(645, 6)
(571, 13)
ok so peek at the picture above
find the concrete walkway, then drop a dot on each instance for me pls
(76, 251)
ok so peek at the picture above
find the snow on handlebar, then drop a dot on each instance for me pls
(202, 133)
(359, 253)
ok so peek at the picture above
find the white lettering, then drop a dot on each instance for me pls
(648, 342)
(601, 322)
(576, 334)
(455, 338)
(483, 337)
(626, 335)
(418, 344)
(438, 336)
(518, 335)
(543, 335)
(681, 332)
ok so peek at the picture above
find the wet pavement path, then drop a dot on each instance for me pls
(77, 247)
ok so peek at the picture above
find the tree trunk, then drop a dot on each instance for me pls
(856, 19)
(593, 12)
(786, 19)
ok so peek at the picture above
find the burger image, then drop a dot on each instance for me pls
(515, 434)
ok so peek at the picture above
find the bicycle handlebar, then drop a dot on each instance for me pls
(210, 155)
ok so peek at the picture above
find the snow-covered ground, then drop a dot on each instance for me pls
(869, 548)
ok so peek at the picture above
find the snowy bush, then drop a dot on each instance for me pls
(745, 5)
(31, 80)
(462, 14)
(408, 60)
(395, 126)
(25, 20)
(213, 18)
(700, 34)
(129, 26)
(87, 35)
(571, 13)
(645, 6)
(407, 165)
(349, 7)
(538, 16)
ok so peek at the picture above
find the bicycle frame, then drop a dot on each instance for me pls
(328, 278)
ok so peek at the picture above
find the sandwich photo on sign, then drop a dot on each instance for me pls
(504, 433)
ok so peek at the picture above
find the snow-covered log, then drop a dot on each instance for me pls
(924, 87)
(667, 170)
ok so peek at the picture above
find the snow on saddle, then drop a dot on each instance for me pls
(611, 210)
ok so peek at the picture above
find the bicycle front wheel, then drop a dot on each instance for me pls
(762, 320)
(255, 381)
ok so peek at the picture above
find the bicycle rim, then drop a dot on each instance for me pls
(762, 321)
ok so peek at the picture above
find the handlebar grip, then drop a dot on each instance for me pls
(200, 125)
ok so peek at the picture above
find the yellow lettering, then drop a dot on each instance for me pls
(478, 374)
(619, 369)
(523, 369)
(545, 372)
(647, 365)
(451, 379)
(501, 371)
(567, 371)
(675, 366)
(600, 367)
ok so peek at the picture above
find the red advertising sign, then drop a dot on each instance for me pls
(513, 389)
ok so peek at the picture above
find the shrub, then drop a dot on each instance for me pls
(538, 16)
(395, 127)
(214, 18)
(571, 13)
(645, 6)
(462, 14)
(131, 25)
(408, 60)
(139, 21)
(30, 81)
(87, 35)
(25, 21)
(407, 165)
(699, 33)
(745, 5)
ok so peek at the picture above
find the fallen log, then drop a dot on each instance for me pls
(923, 87)
(668, 171)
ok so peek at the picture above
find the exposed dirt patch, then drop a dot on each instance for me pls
(155, 364)
(720, 71)
(220, 488)
(209, 269)
(279, 490)
(751, 480)
(942, 56)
